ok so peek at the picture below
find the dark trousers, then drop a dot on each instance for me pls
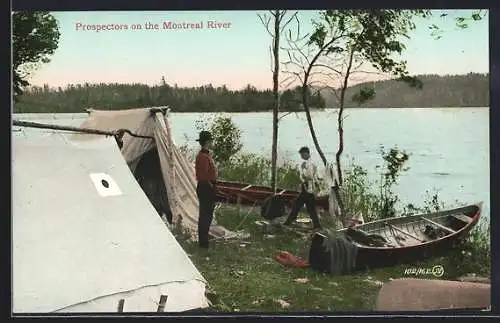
(206, 198)
(310, 201)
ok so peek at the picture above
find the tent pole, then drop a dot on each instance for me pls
(119, 132)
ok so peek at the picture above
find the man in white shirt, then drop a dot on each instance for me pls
(308, 190)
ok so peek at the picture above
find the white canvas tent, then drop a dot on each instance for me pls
(85, 236)
(177, 171)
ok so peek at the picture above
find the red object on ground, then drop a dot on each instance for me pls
(288, 260)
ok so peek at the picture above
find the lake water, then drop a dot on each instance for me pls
(449, 147)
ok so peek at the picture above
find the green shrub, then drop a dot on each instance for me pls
(256, 170)
(374, 199)
(473, 255)
(226, 136)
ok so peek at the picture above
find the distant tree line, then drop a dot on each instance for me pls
(207, 98)
(471, 90)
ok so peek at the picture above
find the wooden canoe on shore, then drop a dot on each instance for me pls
(400, 240)
(254, 195)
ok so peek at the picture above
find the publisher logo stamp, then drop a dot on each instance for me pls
(436, 271)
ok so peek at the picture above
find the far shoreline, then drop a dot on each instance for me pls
(260, 111)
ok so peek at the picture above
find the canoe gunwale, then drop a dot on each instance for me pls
(232, 192)
(466, 227)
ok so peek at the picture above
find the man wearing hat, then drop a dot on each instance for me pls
(308, 189)
(206, 176)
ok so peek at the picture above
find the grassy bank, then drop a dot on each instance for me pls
(243, 276)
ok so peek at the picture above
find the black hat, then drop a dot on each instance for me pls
(204, 137)
(304, 150)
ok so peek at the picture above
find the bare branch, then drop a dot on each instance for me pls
(294, 16)
(288, 79)
(298, 30)
(313, 83)
(328, 79)
(284, 115)
(368, 72)
(266, 20)
(298, 36)
(294, 77)
(304, 55)
(358, 66)
(295, 63)
(329, 68)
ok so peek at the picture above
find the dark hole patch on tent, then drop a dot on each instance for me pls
(149, 176)
(105, 184)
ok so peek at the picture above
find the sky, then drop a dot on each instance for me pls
(234, 56)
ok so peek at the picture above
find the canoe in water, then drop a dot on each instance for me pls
(400, 240)
(254, 195)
